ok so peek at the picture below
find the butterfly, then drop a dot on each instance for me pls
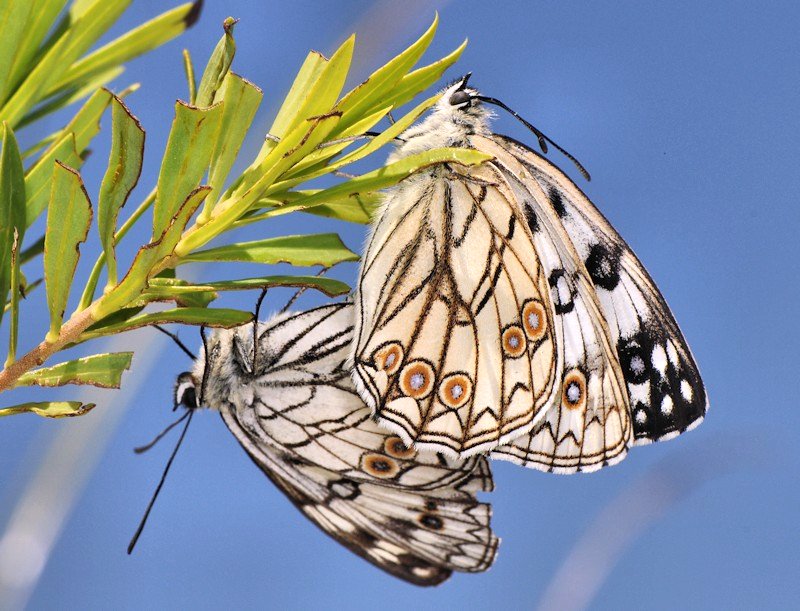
(285, 393)
(498, 311)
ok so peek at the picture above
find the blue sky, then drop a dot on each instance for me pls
(686, 115)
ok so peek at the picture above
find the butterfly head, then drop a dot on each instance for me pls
(187, 391)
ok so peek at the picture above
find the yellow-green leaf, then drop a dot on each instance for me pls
(49, 409)
(218, 66)
(241, 100)
(372, 93)
(39, 179)
(12, 206)
(14, 301)
(14, 16)
(140, 40)
(384, 177)
(210, 317)
(324, 249)
(186, 159)
(103, 370)
(329, 286)
(122, 174)
(419, 80)
(68, 218)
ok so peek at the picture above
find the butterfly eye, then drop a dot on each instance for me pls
(574, 390)
(514, 343)
(460, 97)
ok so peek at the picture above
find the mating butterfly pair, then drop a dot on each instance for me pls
(497, 314)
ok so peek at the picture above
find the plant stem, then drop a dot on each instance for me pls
(69, 333)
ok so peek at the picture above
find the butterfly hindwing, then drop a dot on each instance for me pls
(415, 515)
(442, 352)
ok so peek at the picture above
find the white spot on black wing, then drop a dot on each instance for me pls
(603, 266)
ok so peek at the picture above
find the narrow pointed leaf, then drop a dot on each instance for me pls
(419, 80)
(140, 40)
(49, 409)
(12, 206)
(352, 208)
(86, 122)
(372, 92)
(180, 291)
(39, 180)
(241, 101)
(14, 301)
(14, 17)
(287, 114)
(218, 66)
(68, 218)
(210, 317)
(189, 148)
(384, 177)
(43, 15)
(102, 370)
(329, 286)
(324, 249)
(188, 68)
(122, 174)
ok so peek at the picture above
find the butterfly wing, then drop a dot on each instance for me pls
(441, 353)
(588, 425)
(666, 393)
(413, 515)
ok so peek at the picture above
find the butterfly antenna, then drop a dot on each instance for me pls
(543, 140)
(175, 339)
(139, 530)
(160, 436)
(255, 326)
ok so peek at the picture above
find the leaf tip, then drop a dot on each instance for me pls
(194, 14)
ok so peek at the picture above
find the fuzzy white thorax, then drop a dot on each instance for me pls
(446, 125)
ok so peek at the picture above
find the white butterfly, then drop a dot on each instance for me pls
(294, 410)
(497, 310)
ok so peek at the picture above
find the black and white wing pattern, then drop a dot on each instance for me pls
(296, 413)
(666, 392)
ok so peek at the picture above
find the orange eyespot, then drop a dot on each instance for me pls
(514, 342)
(534, 320)
(416, 380)
(455, 390)
(394, 446)
(389, 357)
(573, 392)
(379, 466)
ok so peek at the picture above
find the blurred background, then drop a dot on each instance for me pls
(686, 115)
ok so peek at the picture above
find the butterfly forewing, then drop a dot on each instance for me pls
(298, 416)
(442, 353)
(666, 392)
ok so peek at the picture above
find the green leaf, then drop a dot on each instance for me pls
(218, 65)
(103, 370)
(42, 17)
(304, 138)
(324, 249)
(14, 301)
(419, 80)
(14, 17)
(313, 93)
(86, 122)
(241, 100)
(372, 93)
(329, 286)
(210, 317)
(49, 409)
(178, 290)
(69, 216)
(189, 148)
(95, 20)
(188, 68)
(39, 180)
(384, 177)
(352, 208)
(301, 87)
(12, 206)
(136, 42)
(69, 96)
(122, 174)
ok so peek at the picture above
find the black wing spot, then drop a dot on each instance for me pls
(562, 292)
(532, 219)
(557, 202)
(603, 266)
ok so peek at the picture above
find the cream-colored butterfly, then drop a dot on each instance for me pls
(497, 310)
